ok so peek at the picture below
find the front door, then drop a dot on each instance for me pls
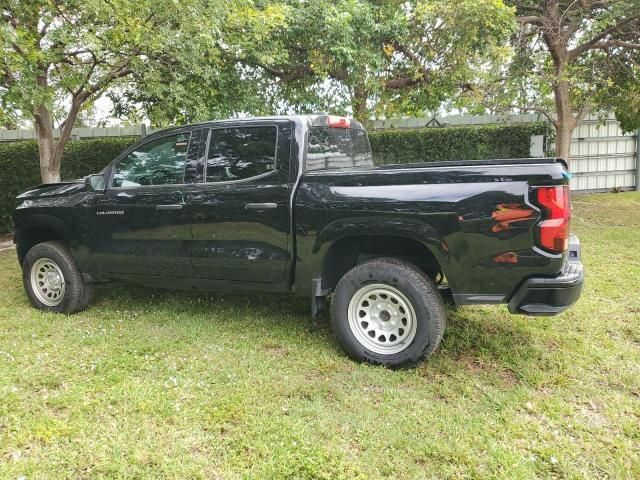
(142, 218)
(240, 213)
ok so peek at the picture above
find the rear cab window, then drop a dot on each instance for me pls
(240, 153)
(331, 148)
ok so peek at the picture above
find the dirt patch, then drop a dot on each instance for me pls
(276, 350)
(476, 365)
(592, 413)
(508, 377)
(472, 364)
(6, 241)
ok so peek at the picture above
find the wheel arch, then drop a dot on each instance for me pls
(349, 251)
(37, 229)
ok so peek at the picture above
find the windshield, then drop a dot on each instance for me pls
(338, 148)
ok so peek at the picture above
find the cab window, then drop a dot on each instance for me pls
(338, 148)
(241, 153)
(159, 162)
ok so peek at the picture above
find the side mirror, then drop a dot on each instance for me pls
(95, 183)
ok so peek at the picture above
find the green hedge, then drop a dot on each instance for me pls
(454, 143)
(19, 160)
(19, 168)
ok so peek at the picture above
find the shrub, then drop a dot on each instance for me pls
(453, 143)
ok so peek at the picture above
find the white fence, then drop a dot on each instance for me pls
(453, 120)
(602, 157)
(78, 133)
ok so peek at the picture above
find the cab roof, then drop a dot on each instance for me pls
(310, 120)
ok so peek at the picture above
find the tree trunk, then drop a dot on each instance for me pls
(557, 43)
(49, 167)
(49, 150)
(359, 103)
(565, 121)
(563, 141)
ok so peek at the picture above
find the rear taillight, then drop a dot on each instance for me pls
(553, 229)
(335, 121)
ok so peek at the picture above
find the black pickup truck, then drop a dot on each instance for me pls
(295, 204)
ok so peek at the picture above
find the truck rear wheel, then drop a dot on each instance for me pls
(387, 312)
(52, 279)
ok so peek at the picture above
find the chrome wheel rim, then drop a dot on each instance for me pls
(47, 281)
(382, 319)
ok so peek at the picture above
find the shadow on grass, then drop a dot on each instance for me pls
(124, 295)
(471, 332)
(488, 341)
(479, 339)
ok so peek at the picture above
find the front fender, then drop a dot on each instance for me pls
(42, 222)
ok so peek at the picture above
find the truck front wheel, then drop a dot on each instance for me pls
(387, 312)
(52, 279)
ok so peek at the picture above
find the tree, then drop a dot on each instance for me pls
(7, 119)
(206, 90)
(572, 58)
(59, 56)
(376, 58)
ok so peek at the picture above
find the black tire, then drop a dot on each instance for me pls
(417, 288)
(87, 296)
(77, 292)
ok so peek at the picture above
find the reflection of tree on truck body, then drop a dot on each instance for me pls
(240, 152)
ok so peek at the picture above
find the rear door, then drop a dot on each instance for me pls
(240, 213)
(142, 219)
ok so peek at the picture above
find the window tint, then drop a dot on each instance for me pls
(238, 153)
(159, 162)
(338, 148)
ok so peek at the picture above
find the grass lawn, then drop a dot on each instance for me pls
(157, 384)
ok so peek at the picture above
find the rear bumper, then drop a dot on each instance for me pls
(551, 295)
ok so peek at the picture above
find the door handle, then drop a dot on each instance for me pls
(260, 206)
(176, 206)
(125, 195)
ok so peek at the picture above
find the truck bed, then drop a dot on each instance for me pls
(475, 217)
(451, 163)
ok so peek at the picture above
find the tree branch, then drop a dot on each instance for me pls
(590, 44)
(67, 125)
(104, 82)
(402, 82)
(43, 30)
(530, 20)
(589, 6)
(89, 74)
(415, 58)
(582, 113)
(296, 72)
(522, 6)
(616, 43)
(10, 78)
(397, 83)
(529, 108)
(18, 49)
(11, 19)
